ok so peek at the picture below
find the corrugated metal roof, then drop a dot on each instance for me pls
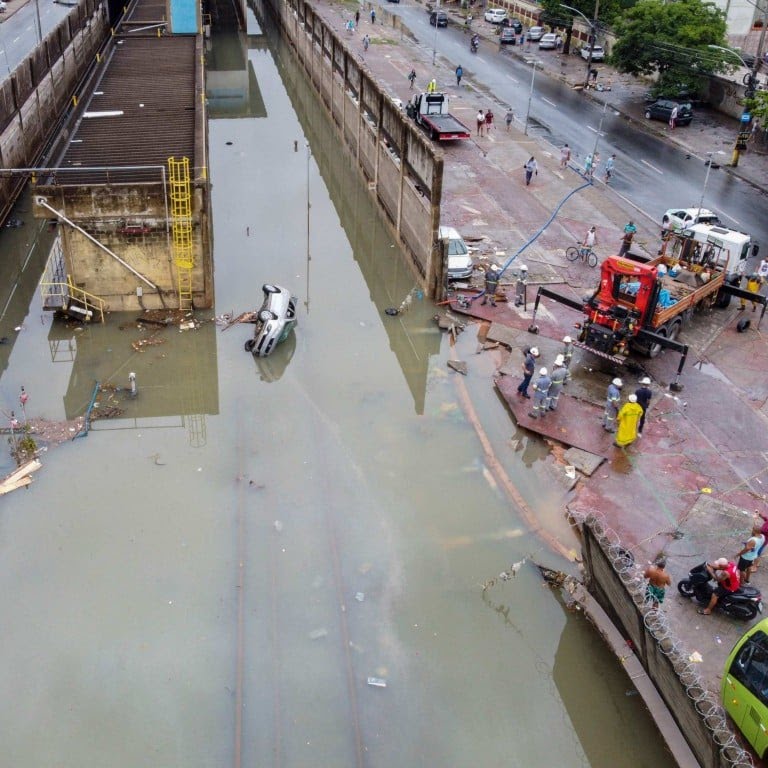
(149, 89)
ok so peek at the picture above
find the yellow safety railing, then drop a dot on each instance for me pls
(68, 292)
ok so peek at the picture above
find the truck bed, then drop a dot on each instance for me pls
(686, 296)
(445, 127)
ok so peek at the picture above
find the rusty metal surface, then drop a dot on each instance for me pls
(151, 81)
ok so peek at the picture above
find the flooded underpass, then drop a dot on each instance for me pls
(212, 577)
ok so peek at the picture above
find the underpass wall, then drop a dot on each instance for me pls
(618, 585)
(42, 86)
(401, 168)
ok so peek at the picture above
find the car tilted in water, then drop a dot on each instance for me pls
(274, 321)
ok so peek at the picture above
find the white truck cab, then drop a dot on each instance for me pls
(733, 248)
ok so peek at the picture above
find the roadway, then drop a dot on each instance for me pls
(19, 33)
(651, 173)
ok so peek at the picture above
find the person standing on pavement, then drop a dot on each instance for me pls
(628, 418)
(432, 87)
(565, 156)
(643, 394)
(567, 355)
(540, 392)
(412, 77)
(612, 400)
(530, 168)
(480, 122)
(559, 372)
(529, 366)
(357, 17)
(366, 42)
(588, 166)
(673, 118)
(762, 270)
(459, 75)
(658, 581)
(509, 117)
(753, 285)
(749, 553)
(590, 239)
(373, 15)
(609, 166)
(522, 281)
(491, 284)
(627, 237)
(488, 121)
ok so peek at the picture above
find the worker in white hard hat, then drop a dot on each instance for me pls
(491, 284)
(567, 355)
(612, 400)
(644, 394)
(529, 366)
(540, 392)
(522, 281)
(558, 376)
(627, 421)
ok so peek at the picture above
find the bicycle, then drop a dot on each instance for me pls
(582, 251)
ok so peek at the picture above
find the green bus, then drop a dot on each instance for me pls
(745, 686)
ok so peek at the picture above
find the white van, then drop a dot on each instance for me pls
(460, 265)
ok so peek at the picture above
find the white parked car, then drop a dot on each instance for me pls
(495, 15)
(682, 218)
(598, 53)
(535, 33)
(3, 6)
(548, 42)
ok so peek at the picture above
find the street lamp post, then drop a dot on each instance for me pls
(592, 34)
(704, 188)
(530, 96)
(743, 135)
(437, 20)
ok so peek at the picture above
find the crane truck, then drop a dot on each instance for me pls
(642, 303)
(430, 112)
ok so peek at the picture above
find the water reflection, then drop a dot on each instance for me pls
(271, 369)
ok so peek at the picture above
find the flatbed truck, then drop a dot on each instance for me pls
(430, 112)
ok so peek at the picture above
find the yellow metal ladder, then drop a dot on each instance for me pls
(181, 227)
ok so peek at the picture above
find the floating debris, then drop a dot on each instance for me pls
(377, 682)
(316, 634)
(359, 596)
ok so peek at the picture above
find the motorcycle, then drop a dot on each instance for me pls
(474, 44)
(742, 604)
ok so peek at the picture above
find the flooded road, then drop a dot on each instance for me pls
(211, 579)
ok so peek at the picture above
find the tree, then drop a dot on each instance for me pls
(672, 40)
(556, 16)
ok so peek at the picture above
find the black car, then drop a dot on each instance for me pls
(662, 109)
(438, 19)
(507, 37)
(513, 24)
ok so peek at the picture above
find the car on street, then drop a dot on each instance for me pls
(598, 53)
(508, 36)
(548, 42)
(682, 218)
(438, 19)
(495, 15)
(514, 24)
(460, 265)
(662, 109)
(3, 6)
(535, 33)
(274, 321)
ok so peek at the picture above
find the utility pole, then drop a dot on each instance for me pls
(592, 34)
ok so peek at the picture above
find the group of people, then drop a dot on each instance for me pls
(484, 121)
(549, 384)
(626, 421)
(591, 162)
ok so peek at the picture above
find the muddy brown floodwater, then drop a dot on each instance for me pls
(211, 578)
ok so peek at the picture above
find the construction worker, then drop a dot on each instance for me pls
(558, 376)
(628, 419)
(522, 281)
(567, 355)
(753, 284)
(432, 87)
(529, 366)
(540, 391)
(491, 284)
(612, 400)
(644, 394)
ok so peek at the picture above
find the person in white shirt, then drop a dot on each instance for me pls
(762, 271)
(590, 239)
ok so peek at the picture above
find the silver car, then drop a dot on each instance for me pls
(274, 321)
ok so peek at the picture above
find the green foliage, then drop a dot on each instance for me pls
(671, 39)
(555, 15)
(758, 106)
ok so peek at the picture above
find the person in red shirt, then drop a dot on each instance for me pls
(726, 574)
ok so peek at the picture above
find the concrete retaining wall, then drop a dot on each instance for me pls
(402, 169)
(617, 600)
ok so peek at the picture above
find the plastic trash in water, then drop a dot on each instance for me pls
(316, 634)
(359, 596)
(377, 682)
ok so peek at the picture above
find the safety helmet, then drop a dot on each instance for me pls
(535, 351)
(543, 371)
(645, 380)
(632, 398)
(559, 360)
(617, 383)
(523, 268)
(567, 339)
(494, 267)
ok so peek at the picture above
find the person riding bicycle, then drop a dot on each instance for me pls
(590, 239)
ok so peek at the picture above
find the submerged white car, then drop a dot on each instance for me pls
(274, 321)
(460, 266)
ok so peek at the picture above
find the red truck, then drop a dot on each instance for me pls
(430, 111)
(641, 305)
